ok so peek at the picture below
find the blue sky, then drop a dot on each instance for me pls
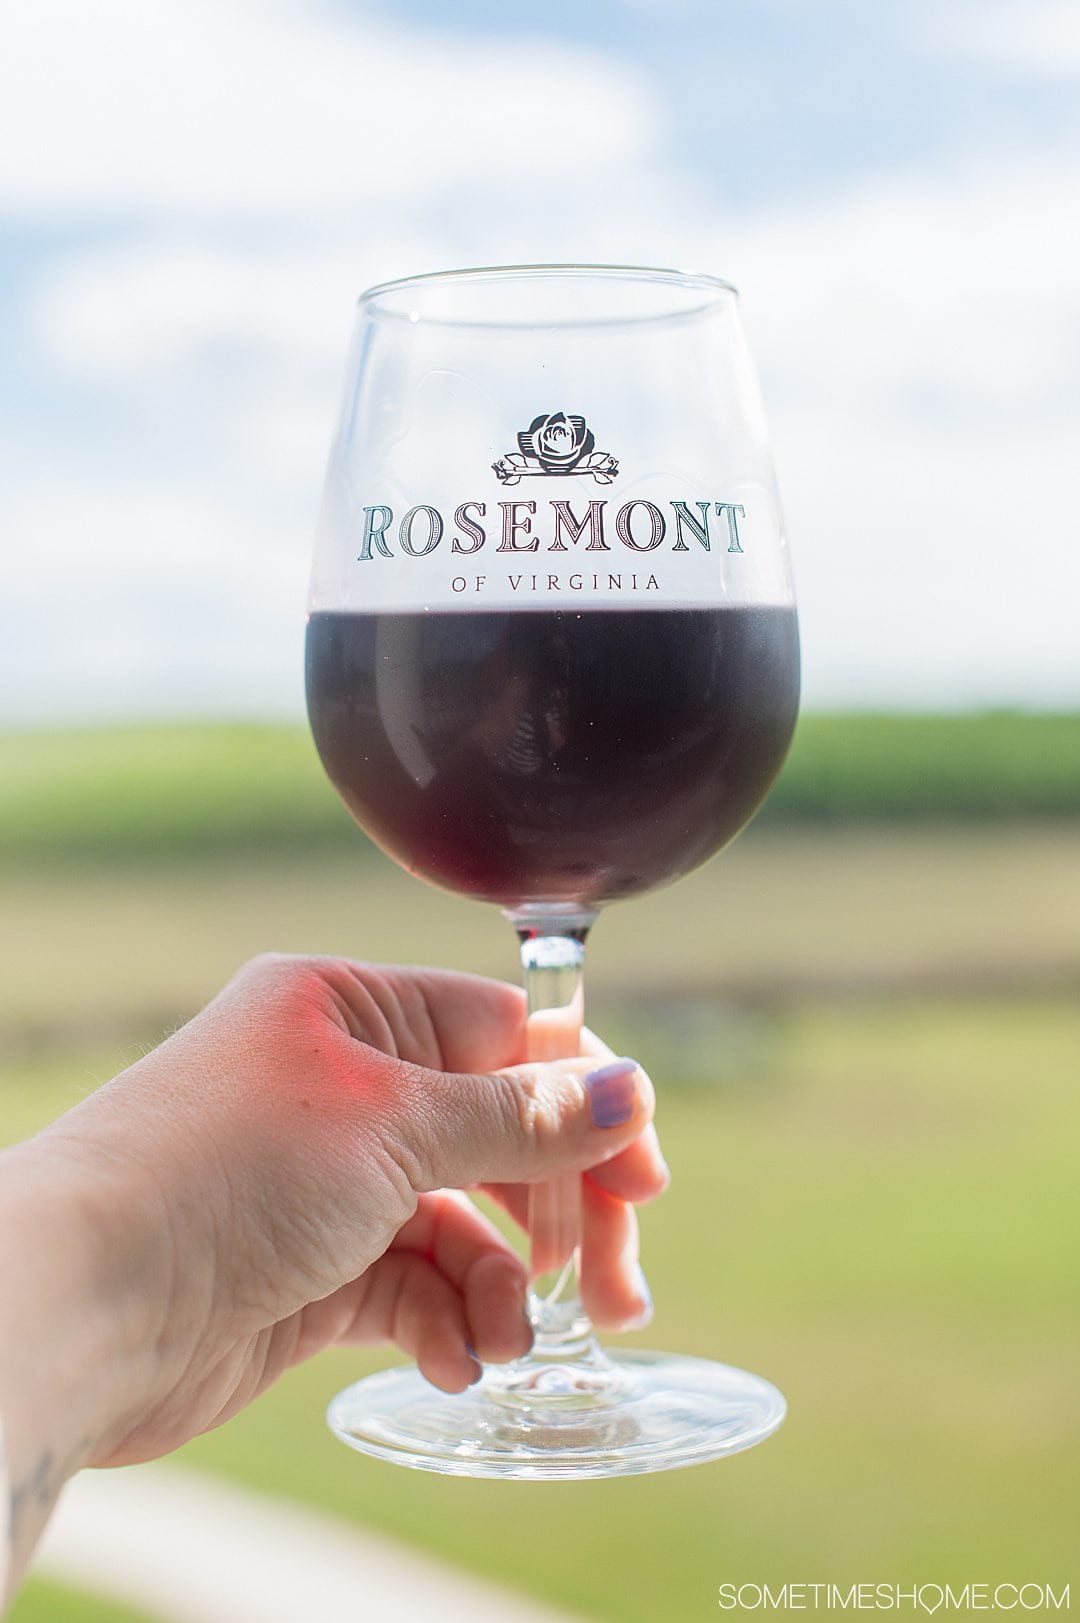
(765, 98)
(192, 192)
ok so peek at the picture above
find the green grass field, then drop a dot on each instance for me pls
(121, 954)
(868, 1098)
(874, 1204)
(865, 1032)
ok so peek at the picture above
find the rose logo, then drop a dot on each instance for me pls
(555, 445)
(557, 442)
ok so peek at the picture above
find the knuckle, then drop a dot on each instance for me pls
(264, 968)
(539, 1107)
(279, 977)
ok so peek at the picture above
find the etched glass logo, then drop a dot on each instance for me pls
(560, 444)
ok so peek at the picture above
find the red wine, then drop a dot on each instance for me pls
(550, 756)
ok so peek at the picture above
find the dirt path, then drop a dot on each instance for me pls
(191, 1549)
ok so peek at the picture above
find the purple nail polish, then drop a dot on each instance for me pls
(611, 1092)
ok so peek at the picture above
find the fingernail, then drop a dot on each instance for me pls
(644, 1295)
(471, 1350)
(611, 1092)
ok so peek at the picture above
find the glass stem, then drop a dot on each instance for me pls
(553, 960)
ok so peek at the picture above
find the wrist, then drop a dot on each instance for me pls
(79, 1271)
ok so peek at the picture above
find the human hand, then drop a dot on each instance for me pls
(273, 1179)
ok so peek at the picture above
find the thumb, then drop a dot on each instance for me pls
(519, 1125)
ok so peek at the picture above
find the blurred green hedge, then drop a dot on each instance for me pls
(900, 768)
(172, 791)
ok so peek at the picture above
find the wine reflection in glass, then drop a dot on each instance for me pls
(552, 662)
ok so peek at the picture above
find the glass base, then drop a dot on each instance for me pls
(635, 1412)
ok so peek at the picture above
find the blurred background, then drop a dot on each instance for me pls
(863, 1019)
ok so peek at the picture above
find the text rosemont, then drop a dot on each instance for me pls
(640, 525)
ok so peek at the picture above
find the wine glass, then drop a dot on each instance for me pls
(552, 662)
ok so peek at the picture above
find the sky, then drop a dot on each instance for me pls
(192, 193)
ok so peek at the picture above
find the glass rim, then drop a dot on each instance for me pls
(377, 300)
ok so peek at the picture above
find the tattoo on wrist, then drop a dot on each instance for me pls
(36, 1493)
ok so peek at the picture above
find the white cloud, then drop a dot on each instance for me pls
(953, 297)
(249, 109)
(919, 341)
(148, 597)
